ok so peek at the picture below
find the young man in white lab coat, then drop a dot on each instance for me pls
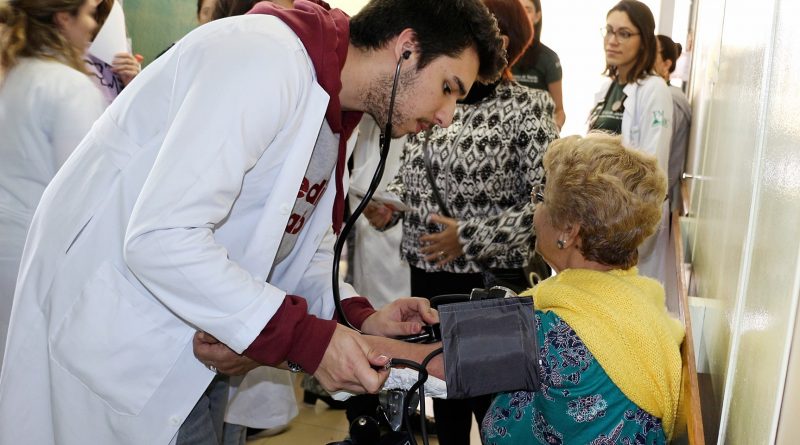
(200, 203)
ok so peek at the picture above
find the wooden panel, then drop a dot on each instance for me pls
(690, 410)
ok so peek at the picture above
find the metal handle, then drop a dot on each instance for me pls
(693, 176)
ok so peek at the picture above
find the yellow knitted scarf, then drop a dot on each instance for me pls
(622, 319)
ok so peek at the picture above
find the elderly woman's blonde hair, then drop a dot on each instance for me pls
(612, 192)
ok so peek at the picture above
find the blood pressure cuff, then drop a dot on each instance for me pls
(490, 346)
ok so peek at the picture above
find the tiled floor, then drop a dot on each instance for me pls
(319, 425)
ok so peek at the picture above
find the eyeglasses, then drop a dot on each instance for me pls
(537, 194)
(622, 35)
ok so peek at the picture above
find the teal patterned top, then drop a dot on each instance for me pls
(576, 404)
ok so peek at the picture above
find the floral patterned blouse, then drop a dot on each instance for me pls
(576, 404)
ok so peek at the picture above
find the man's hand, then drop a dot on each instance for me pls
(404, 316)
(216, 355)
(347, 364)
(442, 247)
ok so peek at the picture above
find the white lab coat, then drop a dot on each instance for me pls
(46, 108)
(647, 118)
(647, 126)
(166, 220)
(264, 399)
(378, 270)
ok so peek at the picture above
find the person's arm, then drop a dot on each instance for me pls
(73, 109)
(655, 120)
(553, 76)
(559, 116)
(348, 362)
(510, 229)
(410, 351)
(222, 121)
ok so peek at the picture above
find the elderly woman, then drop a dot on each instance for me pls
(610, 360)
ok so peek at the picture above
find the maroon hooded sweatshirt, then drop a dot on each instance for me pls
(293, 334)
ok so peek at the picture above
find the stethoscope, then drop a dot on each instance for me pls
(385, 139)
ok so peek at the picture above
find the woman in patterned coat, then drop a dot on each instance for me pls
(484, 166)
(610, 364)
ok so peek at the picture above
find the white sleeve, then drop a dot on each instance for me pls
(656, 120)
(232, 95)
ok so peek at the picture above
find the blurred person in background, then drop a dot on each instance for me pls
(666, 58)
(111, 79)
(47, 105)
(635, 103)
(205, 11)
(539, 67)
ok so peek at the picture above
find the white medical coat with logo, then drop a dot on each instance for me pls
(166, 221)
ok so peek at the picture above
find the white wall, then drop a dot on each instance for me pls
(572, 29)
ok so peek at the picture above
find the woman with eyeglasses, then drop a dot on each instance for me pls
(635, 103)
(609, 358)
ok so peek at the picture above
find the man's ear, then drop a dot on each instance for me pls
(406, 42)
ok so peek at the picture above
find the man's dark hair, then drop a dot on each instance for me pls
(642, 18)
(442, 27)
(230, 8)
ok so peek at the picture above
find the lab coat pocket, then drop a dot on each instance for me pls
(119, 343)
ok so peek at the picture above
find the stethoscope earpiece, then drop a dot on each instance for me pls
(406, 54)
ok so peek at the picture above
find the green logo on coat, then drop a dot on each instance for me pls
(658, 119)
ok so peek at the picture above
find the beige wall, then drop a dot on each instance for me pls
(746, 245)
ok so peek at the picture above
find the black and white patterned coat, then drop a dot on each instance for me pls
(484, 165)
